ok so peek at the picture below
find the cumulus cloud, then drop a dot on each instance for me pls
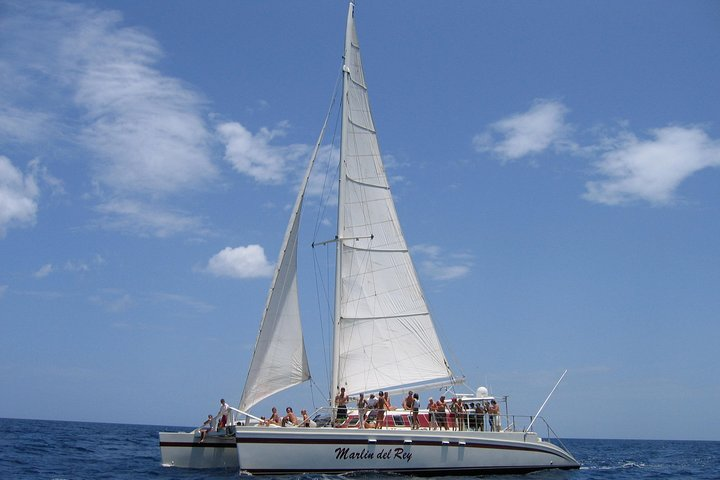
(525, 133)
(440, 266)
(255, 156)
(652, 169)
(18, 196)
(240, 262)
(629, 168)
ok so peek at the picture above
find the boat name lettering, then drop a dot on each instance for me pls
(384, 454)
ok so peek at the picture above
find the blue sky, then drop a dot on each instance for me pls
(556, 168)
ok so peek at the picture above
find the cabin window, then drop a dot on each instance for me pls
(398, 420)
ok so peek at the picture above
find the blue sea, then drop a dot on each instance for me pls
(31, 449)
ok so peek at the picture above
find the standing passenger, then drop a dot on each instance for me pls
(223, 413)
(415, 412)
(431, 414)
(381, 406)
(341, 401)
(362, 408)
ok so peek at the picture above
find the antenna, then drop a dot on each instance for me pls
(546, 400)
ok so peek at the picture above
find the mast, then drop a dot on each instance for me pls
(341, 196)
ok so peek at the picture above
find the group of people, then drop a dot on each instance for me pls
(371, 413)
(459, 415)
(289, 420)
(456, 415)
(223, 415)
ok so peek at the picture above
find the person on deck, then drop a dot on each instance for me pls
(306, 420)
(480, 416)
(416, 412)
(362, 409)
(341, 400)
(274, 418)
(289, 418)
(431, 414)
(408, 402)
(224, 413)
(206, 427)
(381, 407)
(493, 411)
(441, 415)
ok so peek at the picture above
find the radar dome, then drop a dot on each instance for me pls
(481, 392)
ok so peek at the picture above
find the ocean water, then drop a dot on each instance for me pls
(31, 449)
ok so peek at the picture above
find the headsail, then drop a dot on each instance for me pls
(384, 334)
(280, 359)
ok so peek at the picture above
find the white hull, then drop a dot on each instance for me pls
(300, 450)
(181, 449)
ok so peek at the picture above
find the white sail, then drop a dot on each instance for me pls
(280, 360)
(384, 336)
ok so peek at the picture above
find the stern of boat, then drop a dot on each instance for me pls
(184, 449)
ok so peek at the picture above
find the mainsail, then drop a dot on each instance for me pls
(384, 334)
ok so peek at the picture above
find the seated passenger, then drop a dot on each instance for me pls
(306, 420)
(289, 418)
(206, 427)
(274, 418)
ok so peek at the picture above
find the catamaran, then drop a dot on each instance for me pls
(384, 339)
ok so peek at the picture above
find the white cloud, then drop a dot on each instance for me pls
(44, 271)
(525, 133)
(114, 301)
(146, 128)
(184, 301)
(240, 262)
(439, 266)
(652, 169)
(81, 266)
(146, 219)
(22, 125)
(630, 168)
(18, 196)
(97, 82)
(3, 289)
(253, 155)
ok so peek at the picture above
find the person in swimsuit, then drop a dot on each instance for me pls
(381, 407)
(206, 427)
(274, 418)
(289, 418)
(341, 400)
